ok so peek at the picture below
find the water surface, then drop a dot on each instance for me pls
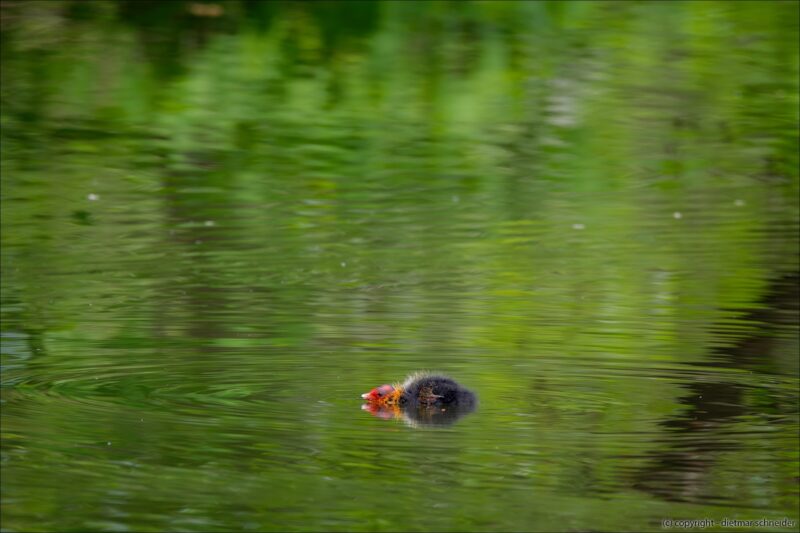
(221, 225)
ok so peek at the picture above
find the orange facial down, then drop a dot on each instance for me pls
(385, 395)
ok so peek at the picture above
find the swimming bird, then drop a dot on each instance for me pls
(422, 389)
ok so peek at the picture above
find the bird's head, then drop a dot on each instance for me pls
(378, 393)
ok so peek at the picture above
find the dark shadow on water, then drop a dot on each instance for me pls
(681, 470)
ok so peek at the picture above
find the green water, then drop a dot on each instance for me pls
(223, 223)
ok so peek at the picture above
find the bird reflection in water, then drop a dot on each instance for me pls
(421, 417)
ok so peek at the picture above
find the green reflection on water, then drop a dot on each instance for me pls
(220, 227)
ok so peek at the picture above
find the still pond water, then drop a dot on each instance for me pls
(222, 223)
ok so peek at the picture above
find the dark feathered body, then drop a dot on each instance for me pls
(434, 390)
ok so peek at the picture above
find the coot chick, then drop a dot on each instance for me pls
(421, 390)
